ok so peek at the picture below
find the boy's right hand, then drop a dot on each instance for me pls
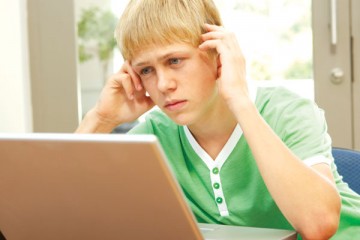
(122, 100)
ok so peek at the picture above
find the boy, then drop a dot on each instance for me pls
(241, 159)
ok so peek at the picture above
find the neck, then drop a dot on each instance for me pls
(214, 131)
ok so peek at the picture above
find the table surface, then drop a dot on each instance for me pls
(225, 232)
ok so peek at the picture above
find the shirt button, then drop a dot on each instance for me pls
(219, 200)
(215, 170)
(216, 185)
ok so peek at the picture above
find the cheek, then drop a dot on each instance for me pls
(209, 70)
(209, 77)
(147, 84)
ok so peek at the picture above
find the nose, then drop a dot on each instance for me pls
(165, 80)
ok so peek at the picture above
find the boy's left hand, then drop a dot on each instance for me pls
(231, 64)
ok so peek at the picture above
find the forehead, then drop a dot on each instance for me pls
(155, 52)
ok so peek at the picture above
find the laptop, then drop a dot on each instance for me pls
(98, 186)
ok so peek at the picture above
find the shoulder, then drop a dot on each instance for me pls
(156, 122)
(298, 121)
(160, 121)
(167, 132)
(279, 103)
(278, 97)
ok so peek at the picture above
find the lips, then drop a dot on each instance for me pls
(174, 105)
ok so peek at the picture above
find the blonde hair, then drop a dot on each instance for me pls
(153, 22)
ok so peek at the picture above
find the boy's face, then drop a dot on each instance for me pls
(180, 79)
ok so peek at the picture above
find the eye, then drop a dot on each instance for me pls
(174, 60)
(145, 71)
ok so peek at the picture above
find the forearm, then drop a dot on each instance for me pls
(93, 124)
(307, 199)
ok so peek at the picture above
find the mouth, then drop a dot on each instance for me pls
(174, 105)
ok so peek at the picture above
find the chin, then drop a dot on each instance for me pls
(181, 119)
(180, 122)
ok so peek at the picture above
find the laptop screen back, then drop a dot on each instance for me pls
(74, 186)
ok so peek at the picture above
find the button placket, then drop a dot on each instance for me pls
(218, 163)
(218, 192)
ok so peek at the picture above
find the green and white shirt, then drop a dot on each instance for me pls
(229, 189)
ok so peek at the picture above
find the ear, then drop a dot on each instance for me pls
(219, 65)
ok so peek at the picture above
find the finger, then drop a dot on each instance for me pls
(114, 80)
(142, 101)
(149, 102)
(212, 35)
(128, 86)
(210, 44)
(134, 77)
(142, 96)
(212, 27)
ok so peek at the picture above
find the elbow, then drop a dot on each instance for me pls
(322, 221)
(320, 231)
(323, 226)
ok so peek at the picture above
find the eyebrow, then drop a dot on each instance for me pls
(166, 55)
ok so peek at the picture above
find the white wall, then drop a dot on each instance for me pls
(15, 105)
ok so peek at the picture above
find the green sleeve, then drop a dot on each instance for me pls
(299, 122)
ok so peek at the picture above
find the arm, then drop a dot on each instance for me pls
(122, 100)
(306, 195)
